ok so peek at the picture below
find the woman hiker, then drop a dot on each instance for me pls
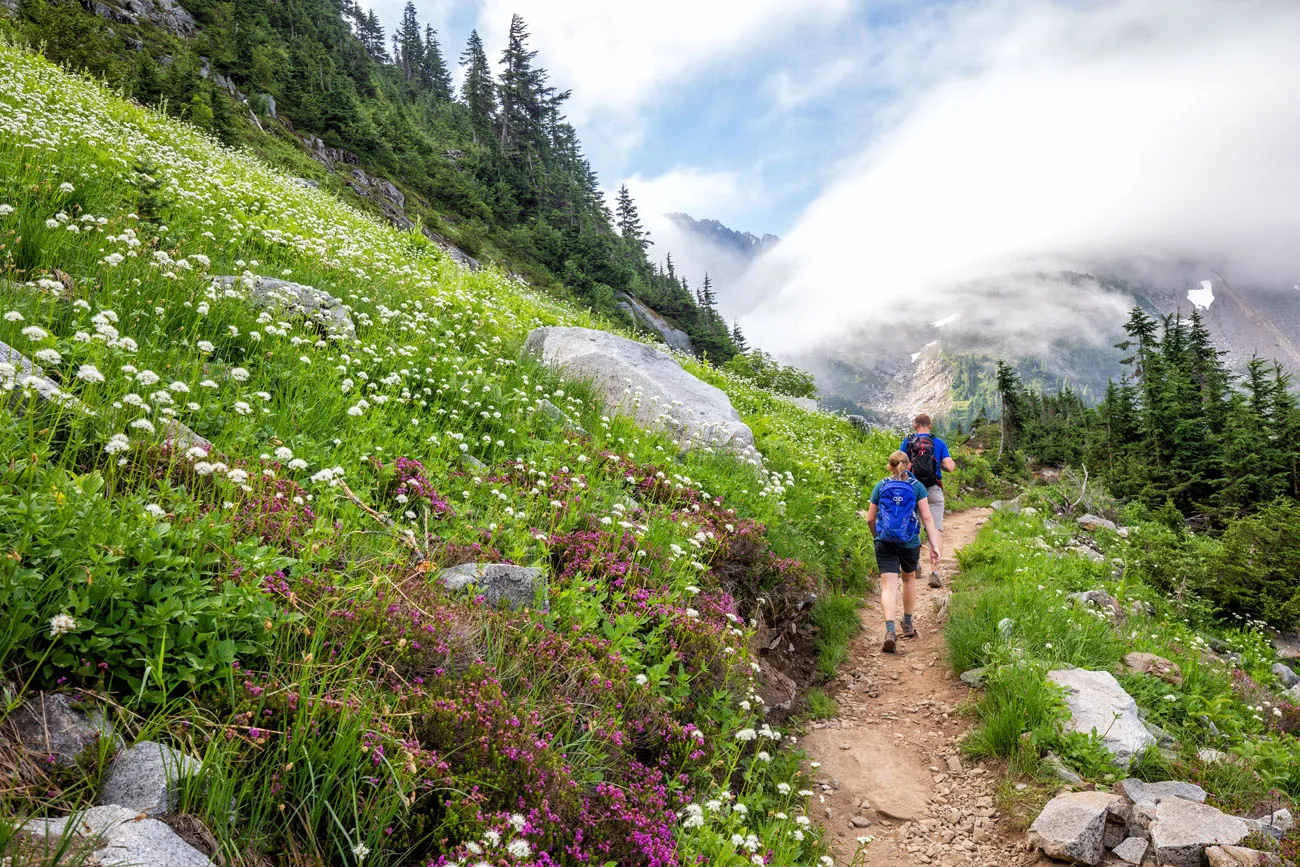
(899, 506)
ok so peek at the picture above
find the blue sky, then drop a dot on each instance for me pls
(740, 112)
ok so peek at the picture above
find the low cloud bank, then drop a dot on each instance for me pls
(1130, 137)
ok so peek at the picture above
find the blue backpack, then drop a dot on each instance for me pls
(896, 512)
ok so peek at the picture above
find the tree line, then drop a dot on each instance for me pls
(494, 165)
(1179, 427)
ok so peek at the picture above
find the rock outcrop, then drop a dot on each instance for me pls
(1182, 831)
(502, 584)
(57, 728)
(25, 382)
(315, 305)
(643, 316)
(125, 839)
(646, 384)
(1163, 823)
(1072, 827)
(145, 777)
(1099, 704)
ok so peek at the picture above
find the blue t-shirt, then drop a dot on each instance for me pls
(921, 494)
(941, 453)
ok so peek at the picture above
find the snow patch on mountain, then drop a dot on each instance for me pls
(1202, 298)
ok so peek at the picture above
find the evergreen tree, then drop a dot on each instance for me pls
(629, 222)
(408, 47)
(433, 69)
(477, 91)
(738, 337)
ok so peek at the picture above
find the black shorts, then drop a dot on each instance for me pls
(897, 557)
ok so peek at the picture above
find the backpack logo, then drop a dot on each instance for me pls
(897, 507)
(920, 449)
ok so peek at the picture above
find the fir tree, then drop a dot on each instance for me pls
(629, 222)
(738, 337)
(477, 90)
(408, 47)
(433, 69)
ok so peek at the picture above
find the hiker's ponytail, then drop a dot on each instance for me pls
(899, 465)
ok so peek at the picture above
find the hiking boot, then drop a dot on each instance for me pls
(909, 631)
(889, 646)
(934, 580)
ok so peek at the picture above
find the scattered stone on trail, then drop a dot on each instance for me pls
(143, 778)
(1072, 826)
(647, 384)
(499, 583)
(860, 822)
(1153, 793)
(1156, 666)
(1010, 506)
(318, 306)
(1238, 856)
(1098, 703)
(1132, 850)
(1092, 523)
(974, 678)
(125, 839)
(1183, 829)
(1286, 674)
(954, 765)
(55, 727)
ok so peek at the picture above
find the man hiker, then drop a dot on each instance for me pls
(930, 457)
(898, 509)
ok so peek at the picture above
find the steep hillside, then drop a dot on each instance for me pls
(228, 505)
(493, 172)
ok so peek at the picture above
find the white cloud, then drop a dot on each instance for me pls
(1038, 135)
(793, 88)
(620, 57)
(722, 195)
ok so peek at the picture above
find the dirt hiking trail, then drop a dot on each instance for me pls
(890, 762)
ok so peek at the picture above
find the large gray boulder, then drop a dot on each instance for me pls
(1286, 674)
(125, 839)
(1073, 826)
(646, 384)
(1183, 829)
(500, 584)
(145, 778)
(1097, 703)
(315, 305)
(57, 728)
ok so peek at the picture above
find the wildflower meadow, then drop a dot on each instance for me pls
(222, 523)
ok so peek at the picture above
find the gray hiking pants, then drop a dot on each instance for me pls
(936, 506)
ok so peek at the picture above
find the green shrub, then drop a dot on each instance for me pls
(1255, 574)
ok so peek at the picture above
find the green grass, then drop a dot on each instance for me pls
(1010, 616)
(836, 618)
(819, 705)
